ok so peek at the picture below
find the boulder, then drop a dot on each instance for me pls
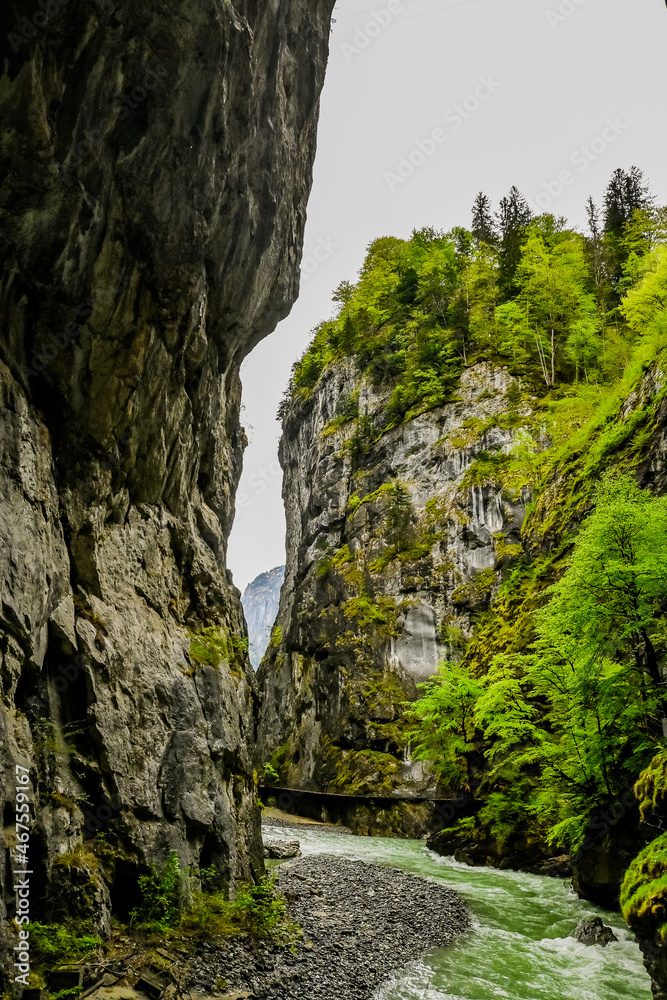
(281, 849)
(593, 931)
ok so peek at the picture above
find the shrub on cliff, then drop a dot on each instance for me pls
(580, 713)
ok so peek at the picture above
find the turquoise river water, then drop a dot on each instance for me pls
(519, 947)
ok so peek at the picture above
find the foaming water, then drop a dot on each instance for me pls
(519, 947)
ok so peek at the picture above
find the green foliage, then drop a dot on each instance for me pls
(270, 773)
(259, 909)
(530, 292)
(506, 811)
(213, 646)
(54, 944)
(609, 601)
(394, 322)
(554, 315)
(161, 895)
(445, 722)
(573, 704)
(347, 409)
(584, 707)
(398, 513)
(276, 636)
(476, 590)
(364, 610)
(513, 218)
(274, 767)
(569, 700)
(645, 305)
(383, 706)
(651, 788)
(263, 907)
(358, 772)
(644, 891)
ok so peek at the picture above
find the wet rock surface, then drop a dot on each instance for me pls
(593, 931)
(360, 922)
(515, 855)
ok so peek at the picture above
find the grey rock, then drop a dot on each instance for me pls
(593, 931)
(260, 600)
(337, 679)
(282, 849)
(360, 922)
(156, 173)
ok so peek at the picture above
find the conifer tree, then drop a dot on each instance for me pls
(513, 217)
(627, 193)
(483, 223)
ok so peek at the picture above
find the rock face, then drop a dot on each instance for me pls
(156, 167)
(519, 853)
(593, 931)
(392, 549)
(602, 861)
(260, 600)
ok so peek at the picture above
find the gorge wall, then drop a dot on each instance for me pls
(156, 164)
(393, 546)
(398, 542)
(260, 606)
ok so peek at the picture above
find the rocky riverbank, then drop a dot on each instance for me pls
(359, 921)
(518, 855)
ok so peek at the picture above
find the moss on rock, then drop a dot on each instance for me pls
(644, 891)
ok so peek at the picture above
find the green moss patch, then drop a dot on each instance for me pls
(644, 891)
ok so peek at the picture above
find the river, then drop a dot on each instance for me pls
(519, 948)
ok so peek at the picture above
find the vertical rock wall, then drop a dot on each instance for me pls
(368, 610)
(156, 162)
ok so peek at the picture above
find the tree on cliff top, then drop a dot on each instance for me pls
(483, 223)
(513, 217)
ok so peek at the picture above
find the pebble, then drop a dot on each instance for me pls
(360, 922)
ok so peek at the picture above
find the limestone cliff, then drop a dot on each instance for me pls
(157, 162)
(398, 540)
(260, 605)
(393, 546)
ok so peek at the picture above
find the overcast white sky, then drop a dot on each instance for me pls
(554, 75)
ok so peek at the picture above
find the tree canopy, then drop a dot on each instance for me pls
(557, 305)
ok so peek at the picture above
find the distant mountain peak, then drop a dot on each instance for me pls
(260, 603)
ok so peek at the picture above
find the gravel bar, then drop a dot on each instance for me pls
(360, 922)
